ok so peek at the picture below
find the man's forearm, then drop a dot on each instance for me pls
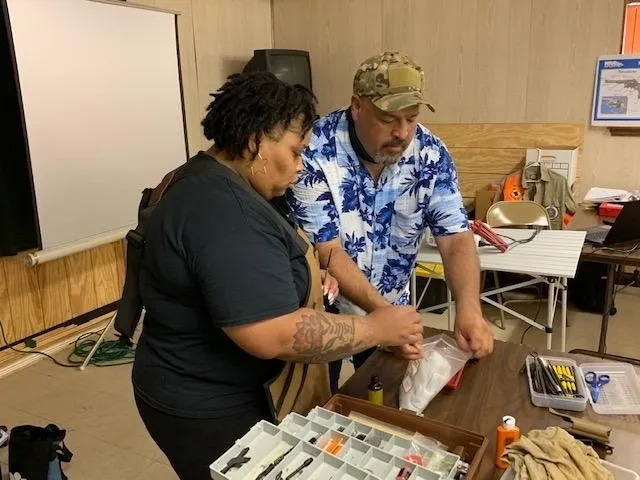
(353, 283)
(462, 269)
(318, 337)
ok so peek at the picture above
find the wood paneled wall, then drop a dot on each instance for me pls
(486, 152)
(502, 61)
(216, 38)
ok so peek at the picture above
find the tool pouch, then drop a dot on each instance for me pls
(36, 453)
(586, 428)
(301, 386)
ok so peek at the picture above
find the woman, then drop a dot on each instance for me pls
(225, 280)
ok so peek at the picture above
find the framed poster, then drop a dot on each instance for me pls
(616, 97)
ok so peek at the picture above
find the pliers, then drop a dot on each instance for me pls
(237, 461)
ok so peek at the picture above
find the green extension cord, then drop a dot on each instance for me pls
(109, 353)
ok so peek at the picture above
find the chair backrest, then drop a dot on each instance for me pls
(521, 213)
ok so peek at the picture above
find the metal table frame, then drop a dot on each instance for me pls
(550, 258)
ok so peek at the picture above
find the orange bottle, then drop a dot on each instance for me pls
(507, 433)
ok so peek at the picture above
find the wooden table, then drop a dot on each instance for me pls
(491, 388)
(613, 257)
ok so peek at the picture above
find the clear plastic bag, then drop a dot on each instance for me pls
(431, 454)
(424, 378)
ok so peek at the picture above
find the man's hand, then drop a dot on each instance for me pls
(473, 333)
(462, 272)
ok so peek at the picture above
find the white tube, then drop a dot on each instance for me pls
(48, 254)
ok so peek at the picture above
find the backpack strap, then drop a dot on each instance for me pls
(131, 306)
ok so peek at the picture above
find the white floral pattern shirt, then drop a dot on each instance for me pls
(380, 226)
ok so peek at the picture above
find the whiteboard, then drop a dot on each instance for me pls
(102, 105)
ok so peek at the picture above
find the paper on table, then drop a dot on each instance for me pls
(598, 194)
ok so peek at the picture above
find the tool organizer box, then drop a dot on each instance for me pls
(373, 455)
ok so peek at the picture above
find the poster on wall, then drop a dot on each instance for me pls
(616, 97)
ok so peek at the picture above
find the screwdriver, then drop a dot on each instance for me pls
(304, 465)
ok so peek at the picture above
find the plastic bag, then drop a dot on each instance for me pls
(424, 378)
(431, 454)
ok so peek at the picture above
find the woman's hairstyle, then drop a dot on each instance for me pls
(255, 103)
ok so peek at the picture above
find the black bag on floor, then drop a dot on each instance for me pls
(587, 291)
(35, 453)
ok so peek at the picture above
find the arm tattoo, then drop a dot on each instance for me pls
(319, 338)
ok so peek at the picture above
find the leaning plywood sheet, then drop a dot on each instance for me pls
(485, 152)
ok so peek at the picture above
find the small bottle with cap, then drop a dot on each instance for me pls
(507, 433)
(376, 394)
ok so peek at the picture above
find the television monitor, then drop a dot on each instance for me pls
(290, 66)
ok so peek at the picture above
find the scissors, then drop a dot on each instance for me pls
(596, 381)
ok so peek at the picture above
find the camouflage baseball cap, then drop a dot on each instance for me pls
(391, 80)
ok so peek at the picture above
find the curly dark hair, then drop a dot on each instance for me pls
(255, 103)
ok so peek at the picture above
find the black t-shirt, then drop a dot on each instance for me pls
(216, 255)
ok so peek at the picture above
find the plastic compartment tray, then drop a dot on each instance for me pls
(621, 396)
(452, 436)
(366, 453)
(265, 442)
(554, 401)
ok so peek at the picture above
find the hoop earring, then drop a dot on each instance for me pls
(264, 168)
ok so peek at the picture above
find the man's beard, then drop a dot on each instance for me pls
(390, 159)
(385, 160)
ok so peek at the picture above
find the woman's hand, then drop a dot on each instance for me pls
(409, 352)
(329, 286)
(396, 326)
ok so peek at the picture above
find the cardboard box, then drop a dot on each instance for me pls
(484, 199)
(561, 160)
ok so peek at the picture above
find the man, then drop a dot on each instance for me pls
(374, 180)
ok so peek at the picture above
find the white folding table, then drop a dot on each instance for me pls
(551, 257)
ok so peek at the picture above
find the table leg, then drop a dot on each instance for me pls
(608, 300)
(604, 326)
(563, 326)
(550, 311)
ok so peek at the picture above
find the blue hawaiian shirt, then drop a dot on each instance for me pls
(380, 226)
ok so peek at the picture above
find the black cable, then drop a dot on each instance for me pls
(60, 364)
(109, 353)
(535, 317)
(526, 330)
(514, 243)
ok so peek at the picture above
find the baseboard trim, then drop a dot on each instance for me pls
(79, 320)
(50, 343)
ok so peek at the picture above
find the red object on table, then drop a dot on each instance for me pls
(479, 228)
(453, 383)
(609, 210)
